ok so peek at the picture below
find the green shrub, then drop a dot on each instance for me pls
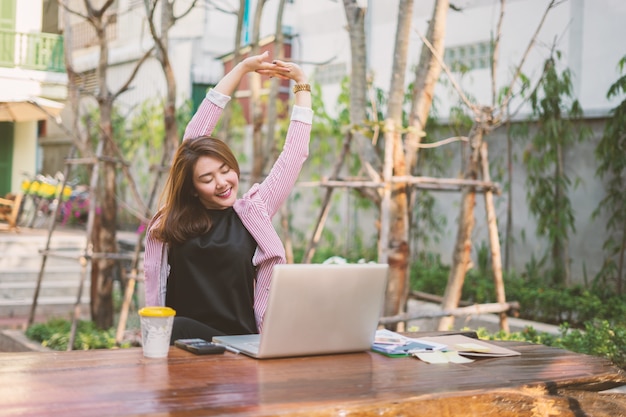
(55, 334)
(592, 320)
(539, 301)
(599, 338)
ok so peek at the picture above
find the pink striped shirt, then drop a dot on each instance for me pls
(255, 208)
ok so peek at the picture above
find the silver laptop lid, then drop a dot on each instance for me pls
(322, 308)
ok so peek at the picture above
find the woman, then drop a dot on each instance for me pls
(209, 255)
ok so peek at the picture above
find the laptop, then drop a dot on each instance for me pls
(317, 309)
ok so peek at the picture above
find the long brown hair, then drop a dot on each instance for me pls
(182, 216)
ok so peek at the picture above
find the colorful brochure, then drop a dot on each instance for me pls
(394, 344)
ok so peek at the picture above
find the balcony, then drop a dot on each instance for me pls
(35, 51)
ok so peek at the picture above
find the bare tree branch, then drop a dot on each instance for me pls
(456, 86)
(443, 142)
(496, 54)
(518, 70)
(132, 76)
(510, 114)
(222, 8)
(186, 12)
(67, 8)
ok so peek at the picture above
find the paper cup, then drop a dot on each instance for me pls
(156, 329)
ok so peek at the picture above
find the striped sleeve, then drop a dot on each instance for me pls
(205, 119)
(283, 175)
(152, 271)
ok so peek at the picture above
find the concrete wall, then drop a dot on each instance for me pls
(24, 148)
(587, 33)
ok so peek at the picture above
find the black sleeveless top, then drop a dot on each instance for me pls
(212, 277)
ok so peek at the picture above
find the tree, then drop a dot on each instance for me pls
(394, 208)
(486, 119)
(612, 168)
(228, 111)
(394, 243)
(161, 42)
(548, 183)
(370, 160)
(103, 234)
(256, 111)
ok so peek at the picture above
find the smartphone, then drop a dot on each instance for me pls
(199, 346)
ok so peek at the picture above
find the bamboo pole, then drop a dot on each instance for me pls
(85, 259)
(321, 219)
(441, 184)
(494, 240)
(455, 312)
(44, 258)
(132, 279)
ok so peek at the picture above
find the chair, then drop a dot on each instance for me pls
(9, 212)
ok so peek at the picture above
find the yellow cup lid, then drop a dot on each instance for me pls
(156, 311)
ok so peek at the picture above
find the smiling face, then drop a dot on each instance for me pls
(215, 183)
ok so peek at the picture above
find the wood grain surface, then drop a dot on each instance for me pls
(543, 381)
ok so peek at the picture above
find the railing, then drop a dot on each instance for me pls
(38, 51)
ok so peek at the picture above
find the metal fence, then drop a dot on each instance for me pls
(37, 51)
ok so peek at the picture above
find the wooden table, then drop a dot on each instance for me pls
(542, 381)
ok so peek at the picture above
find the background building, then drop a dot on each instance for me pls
(32, 73)
(587, 34)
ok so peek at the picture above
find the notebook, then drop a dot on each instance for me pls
(316, 309)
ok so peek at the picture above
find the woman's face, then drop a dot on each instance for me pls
(215, 182)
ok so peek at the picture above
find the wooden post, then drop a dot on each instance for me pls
(321, 220)
(51, 226)
(85, 259)
(494, 241)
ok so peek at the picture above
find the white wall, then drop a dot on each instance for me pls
(25, 153)
(28, 16)
(588, 33)
(19, 83)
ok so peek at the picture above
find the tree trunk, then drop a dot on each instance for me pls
(560, 254)
(396, 249)
(494, 240)
(256, 110)
(355, 17)
(508, 237)
(228, 110)
(104, 236)
(271, 150)
(461, 257)
(426, 76)
(169, 108)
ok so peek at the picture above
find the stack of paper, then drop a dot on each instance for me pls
(467, 346)
(437, 349)
(394, 344)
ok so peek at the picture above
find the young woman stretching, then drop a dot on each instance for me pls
(209, 255)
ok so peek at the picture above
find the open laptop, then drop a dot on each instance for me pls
(316, 309)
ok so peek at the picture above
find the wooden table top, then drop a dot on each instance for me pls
(543, 381)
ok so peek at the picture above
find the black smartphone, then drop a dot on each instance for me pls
(199, 346)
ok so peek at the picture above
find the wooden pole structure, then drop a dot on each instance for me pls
(494, 240)
(321, 219)
(134, 270)
(85, 259)
(44, 258)
(454, 312)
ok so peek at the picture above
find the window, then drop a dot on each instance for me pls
(87, 82)
(468, 57)
(198, 92)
